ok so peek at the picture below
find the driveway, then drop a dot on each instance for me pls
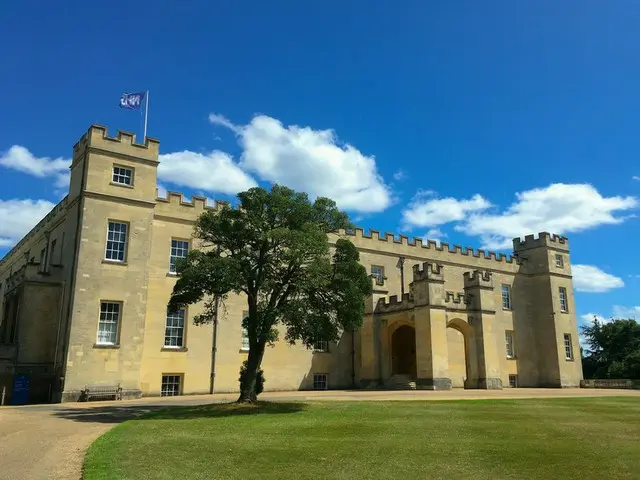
(47, 442)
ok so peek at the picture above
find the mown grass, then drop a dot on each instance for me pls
(579, 438)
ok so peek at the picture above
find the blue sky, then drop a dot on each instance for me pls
(469, 122)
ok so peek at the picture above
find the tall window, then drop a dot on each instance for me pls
(170, 385)
(568, 347)
(320, 381)
(109, 323)
(321, 346)
(378, 272)
(506, 297)
(244, 343)
(508, 337)
(564, 305)
(122, 176)
(174, 329)
(559, 261)
(179, 249)
(52, 252)
(513, 381)
(116, 242)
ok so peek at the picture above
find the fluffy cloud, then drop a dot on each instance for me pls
(17, 217)
(213, 172)
(588, 278)
(617, 311)
(636, 177)
(310, 160)
(434, 234)
(426, 210)
(20, 159)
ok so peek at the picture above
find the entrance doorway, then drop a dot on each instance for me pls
(403, 351)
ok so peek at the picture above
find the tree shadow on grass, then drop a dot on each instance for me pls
(118, 414)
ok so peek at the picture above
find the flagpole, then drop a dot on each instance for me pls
(146, 113)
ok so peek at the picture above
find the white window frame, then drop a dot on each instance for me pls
(321, 346)
(559, 261)
(118, 242)
(168, 384)
(122, 175)
(378, 275)
(179, 247)
(564, 300)
(510, 344)
(568, 346)
(175, 330)
(506, 289)
(109, 316)
(244, 335)
(320, 381)
(515, 381)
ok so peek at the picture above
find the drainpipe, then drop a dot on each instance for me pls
(401, 265)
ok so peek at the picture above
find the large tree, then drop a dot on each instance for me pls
(613, 349)
(274, 249)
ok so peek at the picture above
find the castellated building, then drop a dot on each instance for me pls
(84, 303)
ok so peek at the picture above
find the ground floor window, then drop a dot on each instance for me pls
(319, 381)
(171, 385)
(513, 381)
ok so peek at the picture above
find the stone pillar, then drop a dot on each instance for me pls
(478, 286)
(431, 349)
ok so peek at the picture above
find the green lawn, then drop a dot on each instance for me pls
(583, 438)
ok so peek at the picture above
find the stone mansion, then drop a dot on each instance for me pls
(84, 302)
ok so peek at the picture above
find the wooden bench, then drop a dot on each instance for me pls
(102, 391)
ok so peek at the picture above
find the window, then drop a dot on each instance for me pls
(42, 253)
(378, 272)
(321, 346)
(116, 242)
(564, 306)
(52, 252)
(568, 347)
(559, 261)
(319, 381)
(122, 176)
(508, 336)
(108, 323)
(179, 249)
(174, 329)
(513, 381)
(170, 385)
(244, 343)
(506, 297)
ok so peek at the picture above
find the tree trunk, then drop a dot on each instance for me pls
(248, 381)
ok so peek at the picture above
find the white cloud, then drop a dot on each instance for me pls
(559, 208)
(636, 177)
(17, 217)
(588, 278)
(399, 175)
(434, 234)
(626, 312)
(425, 211)
(21, 159)
(213, 172)
(310, 160)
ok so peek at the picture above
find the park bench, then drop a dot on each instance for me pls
(102, 392)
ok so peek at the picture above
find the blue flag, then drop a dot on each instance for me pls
(132, 101)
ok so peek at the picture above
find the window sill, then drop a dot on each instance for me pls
(114, 262)
(174, 349)
(107, 346)
(570, 359)
(244, 350)
(511, 358)
(124, 185)
(507, 309)
(321, 351)
(173, 274)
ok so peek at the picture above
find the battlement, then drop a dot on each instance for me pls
(125, 143)
(360, 238)
(478, 278)
(428, 271)
(395, 304)
(175, 205)
(545, 239)
(455, 300)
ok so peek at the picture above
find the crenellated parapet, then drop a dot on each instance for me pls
(395, 304)
(98, 138)
(389, 241)
(432, 272)
(455, 300)
(174, 205)
(544, 239)
(478, 279)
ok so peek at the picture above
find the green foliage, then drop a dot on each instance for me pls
(259, 377)
(274, 249)
(613, 349)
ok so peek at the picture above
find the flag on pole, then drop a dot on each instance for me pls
(132, 101)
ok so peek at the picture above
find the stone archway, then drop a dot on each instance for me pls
(461, 354)
(403, 351)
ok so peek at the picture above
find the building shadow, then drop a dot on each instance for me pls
(118, 414)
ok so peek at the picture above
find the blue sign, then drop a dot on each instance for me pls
(20, 393)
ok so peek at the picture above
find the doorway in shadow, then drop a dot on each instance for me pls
(403, 351)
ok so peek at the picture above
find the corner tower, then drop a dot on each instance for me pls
(546, 283)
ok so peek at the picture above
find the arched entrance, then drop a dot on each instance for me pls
(462, 368)
(403, 351)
